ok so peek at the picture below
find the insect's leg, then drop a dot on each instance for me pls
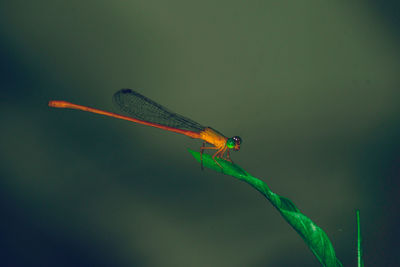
(201, 152)
(221, 153)
(217, 155)
(201, 155)
(228, 157)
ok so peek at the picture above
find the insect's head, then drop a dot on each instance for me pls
(234, 142)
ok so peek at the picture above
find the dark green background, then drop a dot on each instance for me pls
(311, 87)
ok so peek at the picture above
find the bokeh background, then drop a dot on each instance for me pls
(312, 88)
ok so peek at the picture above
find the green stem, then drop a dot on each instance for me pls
(360, 262)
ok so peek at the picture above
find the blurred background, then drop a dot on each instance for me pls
(311, 87)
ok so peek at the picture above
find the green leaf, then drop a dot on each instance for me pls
(315, 238)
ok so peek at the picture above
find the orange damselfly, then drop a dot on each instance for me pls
(143, 110)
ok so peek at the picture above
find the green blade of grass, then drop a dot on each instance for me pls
(360, 261)
(315, 238)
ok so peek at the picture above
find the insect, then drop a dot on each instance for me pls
(143, 110)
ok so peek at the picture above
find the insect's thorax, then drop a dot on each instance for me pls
(213, 137)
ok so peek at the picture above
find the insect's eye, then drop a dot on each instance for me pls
(237, 139)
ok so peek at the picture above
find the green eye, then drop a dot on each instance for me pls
(230, 143)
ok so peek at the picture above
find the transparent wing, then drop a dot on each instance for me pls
(140, 107)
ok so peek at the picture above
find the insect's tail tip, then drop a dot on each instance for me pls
(57, 104)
